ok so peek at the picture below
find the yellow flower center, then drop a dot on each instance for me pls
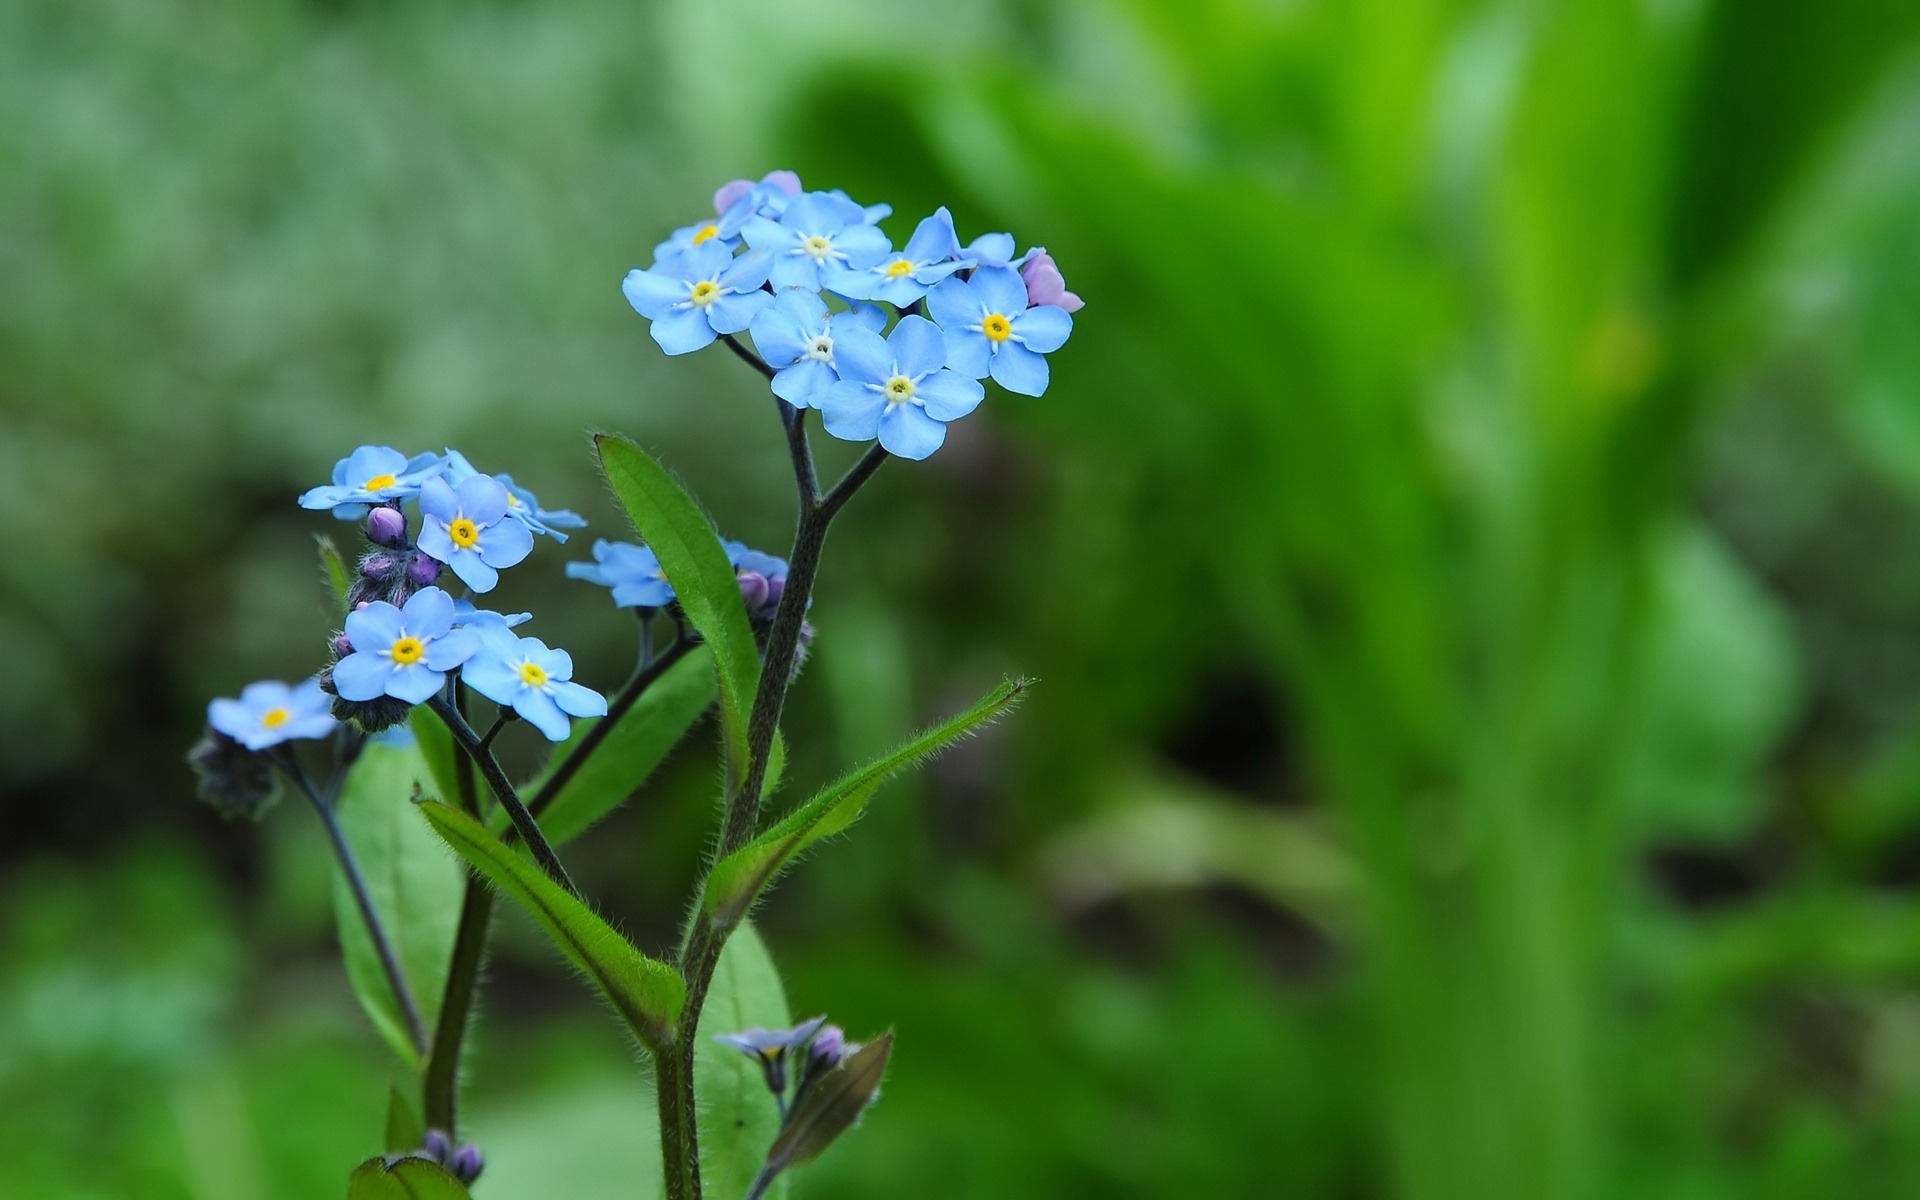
(817, 246)
(464, 533)
(407, 650)
(532, 675)
(706, 233)
(899, 390)
(997, 327)
(704, 293)
(274, 718)
(899, 267)
(379, 483)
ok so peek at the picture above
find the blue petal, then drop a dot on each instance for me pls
(483, 500)
(591, 572)
(863, 356)
(362, 676)
(969, 353)
(472, 571)
(428, 613)
(325, 496)
(803, 383)
(505, 544)
(683, 331)
(856, 285)
(733, 312)
(368, 461)
(851, 411)
(953, 304)
(900, 292)
(374, 627)
(1043, 328)
(1000, 289)
(415, 683)
(778, 334)
(992, 249)
(434, 542)
(816, 213)
(652, 292)
(860, 316)
(906, 430)
(763, 234)
(705, 261)
(265, 694)
(317, 726)
(933, 239)
(578, 701)
(918, 347)
(863, 245)
(948, 396)
(231, 718)
(542, 713)
(448, 651)
(437, 500)
(649, 593)
(492, 677)
(748, 272)
(1019, 369)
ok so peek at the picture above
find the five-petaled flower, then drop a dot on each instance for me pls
(522, 505)
(897, 389)
(702, 293)
(930, 255)
(270, 712)
(992, 329)
(795, 334)
(468, 529)
(402, 652)
(820, 241)
(633, 572)
(537, 682)
(372, 475)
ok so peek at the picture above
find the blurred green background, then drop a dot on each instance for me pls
(1471, 550)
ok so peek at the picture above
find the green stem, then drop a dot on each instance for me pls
(440, 1083)
(504, 791)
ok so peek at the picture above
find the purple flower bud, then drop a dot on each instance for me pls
(753, 590)
(422, 571)
(436, 1146)
(467, 1163)
(377, 566)
(731, 191)
(342, 645)
(387, 527)
(776, 587)
(829, 1045)
(1045, 284)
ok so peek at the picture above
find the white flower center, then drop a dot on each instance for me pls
(817, 247)
(704, 293)
(820, 349)
(898, 390)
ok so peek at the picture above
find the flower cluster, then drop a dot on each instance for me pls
(816, 283)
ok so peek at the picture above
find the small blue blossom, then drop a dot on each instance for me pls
(371, 475)
(270, 712)
(466, 616)
(795, 335)
(820, 241)
(522, 505)
(467, 529)
(770, 1048)
(704, 292)
(402, 652)
(897, 389)
(723, 230)
(930, 255)
(768, 198)
(633, 572)
(534, 681)
(991, 329)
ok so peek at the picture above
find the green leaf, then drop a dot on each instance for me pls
(637, 745)
(436, 747)
(406, 1128)
(334, 568)
(647, 992)
(414, 887)
(832, 1106)
(740, 877)
(738, 1118)
(690, 553)
(404, 1179)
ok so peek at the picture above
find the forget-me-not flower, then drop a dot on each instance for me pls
(992, 329)
(371, 475)
(467, 528)
(522, 504)
(466, 615)
(633, 572)
(897, 389)
(770, 1047)
(930, 255)
(270, 712)
(795, 334)
(402, 652)
(534, 681)
(820, 241)
(702, 293)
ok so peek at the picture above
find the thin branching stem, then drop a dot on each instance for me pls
(504, 791)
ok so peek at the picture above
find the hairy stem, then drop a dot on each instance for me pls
(504, 791)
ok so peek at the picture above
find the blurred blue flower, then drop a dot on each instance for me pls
(795, 334)
(522, 504)
(930, 255)
(704, 292)
(991, 329)
(897, 389)
(270, 712)
(369, 476)
(633, 572)
(820, 241)
(467, 529)
(534, 681)
(402, 652)
(723, 230)
(770, 1047)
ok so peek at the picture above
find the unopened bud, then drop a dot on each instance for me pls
(422, 571)
(776, 588)
(436, 1146)
(387, 527)
(829, 1045)
(377, 566)
(1045, 285)
(342, 645)
(753, 590)
(467, 1163)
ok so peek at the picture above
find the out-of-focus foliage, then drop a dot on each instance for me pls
(1468, 549)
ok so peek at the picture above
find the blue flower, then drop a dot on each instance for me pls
(402, 652)
(795, 334)
(897, 389)
(532, 680)
(372, 475)
(467, 529)
(723, 230)
(270, 712)
(633, 572)
(991, 329)
(930, 255)
(704, 292)
(465, 616)
(522, 504)
(768, 198)
(770, 1047)
(820, 241)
